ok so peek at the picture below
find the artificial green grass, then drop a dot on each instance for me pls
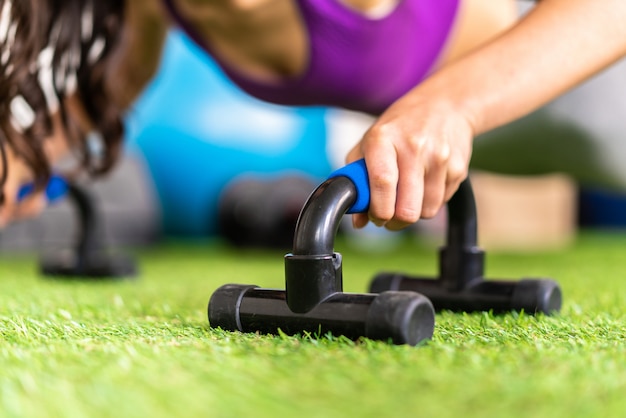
(144, 348)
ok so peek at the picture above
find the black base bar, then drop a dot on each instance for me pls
(399, 317)
(529, 295)
(97, 265)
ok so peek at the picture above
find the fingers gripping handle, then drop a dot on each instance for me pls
(357, 173)
(55, 189)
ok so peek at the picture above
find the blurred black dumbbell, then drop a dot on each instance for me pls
(262, 212)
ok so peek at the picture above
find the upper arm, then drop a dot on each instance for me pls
(139, 53)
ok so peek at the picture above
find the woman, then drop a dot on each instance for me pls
(263, 38)
(474, 69)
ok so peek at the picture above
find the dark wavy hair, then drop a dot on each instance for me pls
(49, 50)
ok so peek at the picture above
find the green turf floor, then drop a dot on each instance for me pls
(144, 348)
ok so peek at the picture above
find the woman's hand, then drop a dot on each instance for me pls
(18, 174)
(417, 153)
(138, 56)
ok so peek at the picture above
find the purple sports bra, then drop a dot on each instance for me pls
(355, 62)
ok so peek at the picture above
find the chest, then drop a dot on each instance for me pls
(266, 40)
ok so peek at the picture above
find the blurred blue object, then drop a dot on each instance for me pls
(599, 208)
(197, 132)
(55, 189)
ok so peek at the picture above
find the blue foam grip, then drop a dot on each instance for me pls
(357, 172)
(55, 189)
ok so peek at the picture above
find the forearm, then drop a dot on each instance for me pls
(556, 46)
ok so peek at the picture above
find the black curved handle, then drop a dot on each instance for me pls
(347, 191)
(321, 215)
